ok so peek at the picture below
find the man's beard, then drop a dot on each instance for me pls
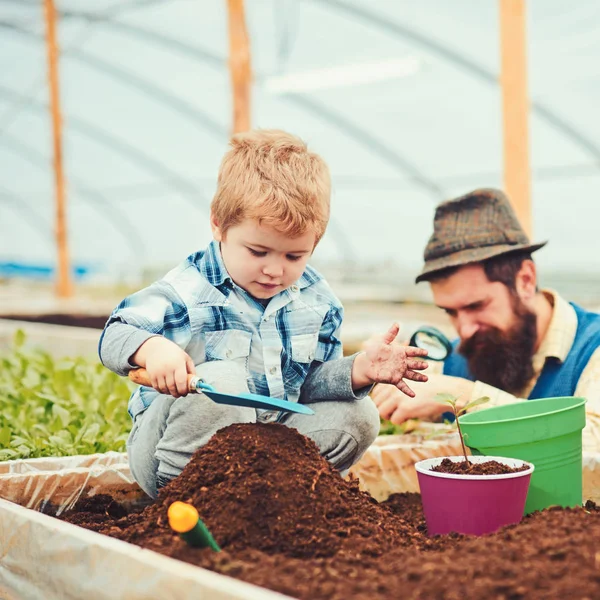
(504, 359)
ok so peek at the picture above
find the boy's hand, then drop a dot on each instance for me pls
(385, 362)
(167, 364)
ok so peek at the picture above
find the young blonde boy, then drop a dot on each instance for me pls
(248, 314)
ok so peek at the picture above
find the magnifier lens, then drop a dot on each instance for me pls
(435, 348)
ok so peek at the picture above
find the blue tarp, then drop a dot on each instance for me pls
(39, 271)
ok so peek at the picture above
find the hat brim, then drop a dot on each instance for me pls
(472, 255)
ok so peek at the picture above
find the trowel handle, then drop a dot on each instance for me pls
(141, 377)
(197, 384)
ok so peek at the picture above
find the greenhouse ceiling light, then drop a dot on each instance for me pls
(347, 75)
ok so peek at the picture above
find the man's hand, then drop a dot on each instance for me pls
(386, 362)
(167, 364)
(395, 407)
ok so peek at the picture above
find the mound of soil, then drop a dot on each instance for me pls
(266, 487)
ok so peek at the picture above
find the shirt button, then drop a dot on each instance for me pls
(294, 288)
(228, 354)
(273, 370)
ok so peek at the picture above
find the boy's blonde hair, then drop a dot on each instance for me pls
(271, 176)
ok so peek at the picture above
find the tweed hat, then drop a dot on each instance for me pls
(471, 229)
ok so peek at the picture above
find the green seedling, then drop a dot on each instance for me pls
(451, 401)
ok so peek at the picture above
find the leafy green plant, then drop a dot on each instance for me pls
(452, 400)
(388, 428)
(61, 407)
(415, 427)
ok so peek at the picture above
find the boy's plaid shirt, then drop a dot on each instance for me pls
(197, 306)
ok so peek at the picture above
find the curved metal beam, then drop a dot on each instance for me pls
(187, 189)
(447, 53)
(363, 136)
(20, 206)
(129, 78)
(122, 7)
(154, 37)
(97, 201)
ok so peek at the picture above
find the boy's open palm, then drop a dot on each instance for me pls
(392, 363)
(167, 364)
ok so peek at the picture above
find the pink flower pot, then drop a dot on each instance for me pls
(472, 504)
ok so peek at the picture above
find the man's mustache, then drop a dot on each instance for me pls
(479, 341)
(503, 359)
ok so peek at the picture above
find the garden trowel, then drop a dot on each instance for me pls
(197, 385)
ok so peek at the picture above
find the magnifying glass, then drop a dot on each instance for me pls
(433, 340)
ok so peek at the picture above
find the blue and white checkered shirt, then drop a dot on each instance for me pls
(199, 307)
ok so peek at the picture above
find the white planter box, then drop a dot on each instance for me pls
(44, 558)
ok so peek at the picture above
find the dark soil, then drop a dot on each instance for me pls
(74, 320)
(94, 512)
(490, 467)
(288, 522)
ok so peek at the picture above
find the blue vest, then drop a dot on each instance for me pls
(556, 379)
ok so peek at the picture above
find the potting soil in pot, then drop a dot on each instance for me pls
(287, 521)
(490, 467)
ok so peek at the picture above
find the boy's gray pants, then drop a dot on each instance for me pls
(167, 433)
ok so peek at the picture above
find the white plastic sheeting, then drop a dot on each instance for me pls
(51, 463)
(54, 485)
(147, 113)
(388, 466)
(591, 476)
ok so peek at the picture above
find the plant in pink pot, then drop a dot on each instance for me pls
(472, 495)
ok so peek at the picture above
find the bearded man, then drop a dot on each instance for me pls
(515, 341)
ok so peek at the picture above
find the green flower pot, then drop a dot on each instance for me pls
(545, 432)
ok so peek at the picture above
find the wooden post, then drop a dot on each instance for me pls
(64, 284)
(515, 108)
(239, 65)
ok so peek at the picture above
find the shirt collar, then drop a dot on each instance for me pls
(211, 265)
(561, 331)
(309, 277)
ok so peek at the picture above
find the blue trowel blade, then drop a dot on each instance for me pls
(257, 401)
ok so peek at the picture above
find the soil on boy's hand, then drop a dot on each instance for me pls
(490, 467)
(288, 522)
